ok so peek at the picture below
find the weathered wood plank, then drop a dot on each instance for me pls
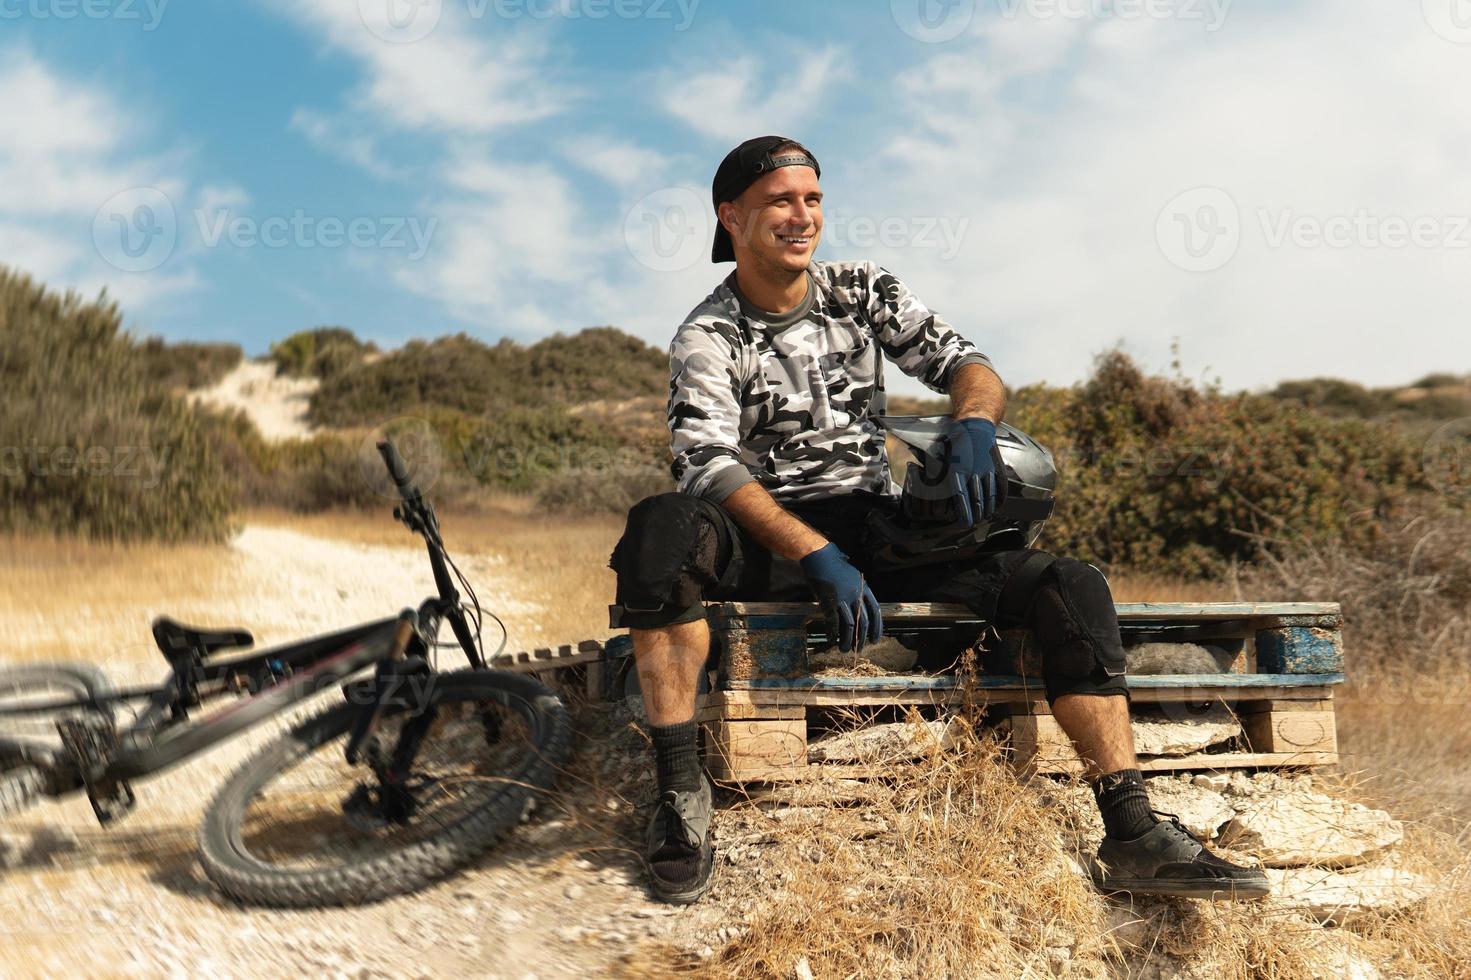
(1291, 731)
(821, 692)
(1299, 650)
(734, 747)
(1011, 684)
(1127, 611)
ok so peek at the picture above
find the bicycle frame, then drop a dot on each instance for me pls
(96, 756)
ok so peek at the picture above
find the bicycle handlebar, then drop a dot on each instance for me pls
(398, 471)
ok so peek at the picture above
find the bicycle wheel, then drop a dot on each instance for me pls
(28, 742)
(296, 826)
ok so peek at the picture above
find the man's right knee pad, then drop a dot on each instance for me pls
(1076, 625)
(667, 555)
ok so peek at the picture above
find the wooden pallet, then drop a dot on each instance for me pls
(588, 655)
(1283, 662)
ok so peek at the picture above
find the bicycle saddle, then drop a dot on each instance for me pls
(176, 640)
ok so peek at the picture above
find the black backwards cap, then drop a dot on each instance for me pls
(741, 168)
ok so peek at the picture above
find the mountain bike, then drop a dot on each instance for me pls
(413, 775)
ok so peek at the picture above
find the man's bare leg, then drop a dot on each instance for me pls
(1099, 728)
(680, 855)
(669, 661)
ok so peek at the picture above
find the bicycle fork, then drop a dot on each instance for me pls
(400, 681)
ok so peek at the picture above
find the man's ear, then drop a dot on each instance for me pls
(730, 219)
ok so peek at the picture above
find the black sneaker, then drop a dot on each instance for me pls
(679, 854)
(1169, 860)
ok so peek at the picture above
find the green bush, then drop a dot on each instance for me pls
(188, 365)
(474, 378)
(91, 442)
(319, 353)
(602, 491)
(1156, 473)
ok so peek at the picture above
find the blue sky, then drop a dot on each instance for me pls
(1279, 186)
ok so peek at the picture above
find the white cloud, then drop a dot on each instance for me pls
(220, 197)
(455, 79)
(335, 135)
(507, 235)
(620, 163)
(747, 97)
(69, 148)
(1062, 156)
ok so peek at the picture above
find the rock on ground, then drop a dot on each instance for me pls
(1336, 896)
(1176, 658)
(887, 656)
(1201, 810)
(892, 742)
(1301, 827)
(1163, 735)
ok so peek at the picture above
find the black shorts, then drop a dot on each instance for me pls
(735, 567)
(680, 552)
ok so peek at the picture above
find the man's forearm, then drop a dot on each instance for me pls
(773, 527)
(976, 392)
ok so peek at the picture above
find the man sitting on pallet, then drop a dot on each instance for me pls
(775, 378)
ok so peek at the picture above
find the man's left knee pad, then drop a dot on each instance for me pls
(1075, 623)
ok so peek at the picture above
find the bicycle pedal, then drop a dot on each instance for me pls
(111, 802)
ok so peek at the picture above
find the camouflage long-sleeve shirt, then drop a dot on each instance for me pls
(789, 400)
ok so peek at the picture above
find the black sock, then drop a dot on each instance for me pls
(676, 758)
(1124, 803)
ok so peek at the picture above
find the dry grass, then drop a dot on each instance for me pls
(968, 874)
(560, 563)
(966, 870)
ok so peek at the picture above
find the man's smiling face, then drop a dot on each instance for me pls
(777, 221)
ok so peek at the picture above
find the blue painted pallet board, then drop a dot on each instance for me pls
(923, 682)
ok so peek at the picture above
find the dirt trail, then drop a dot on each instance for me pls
(277, 405)
(131, 901)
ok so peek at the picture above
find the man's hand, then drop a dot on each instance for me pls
(848, 603)
(973, 469)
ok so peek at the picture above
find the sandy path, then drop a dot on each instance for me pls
(277, 405)
(131, 901)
